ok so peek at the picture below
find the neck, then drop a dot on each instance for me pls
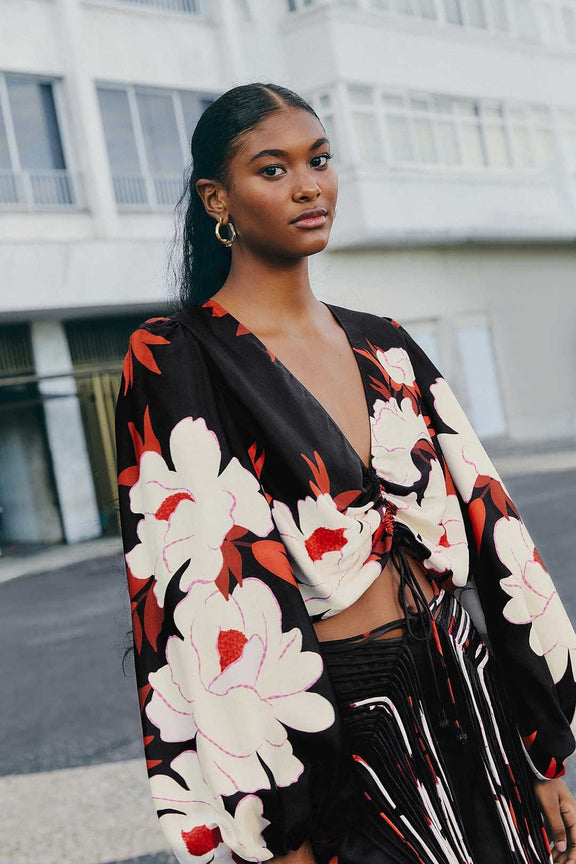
(270, 296)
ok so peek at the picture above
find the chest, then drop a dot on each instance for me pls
(329, 371)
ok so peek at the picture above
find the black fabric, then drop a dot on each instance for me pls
(397, 735)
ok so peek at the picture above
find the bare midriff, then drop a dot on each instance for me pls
(377, 605)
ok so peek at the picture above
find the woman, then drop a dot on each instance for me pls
(303, 502)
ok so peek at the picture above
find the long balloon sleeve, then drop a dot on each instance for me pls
(237, 719)
(526, 621)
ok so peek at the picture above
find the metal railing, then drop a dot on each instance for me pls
(190, 7)
(147, 192)
(35, 190)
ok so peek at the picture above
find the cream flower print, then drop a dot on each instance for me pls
(465, 455)
(395, 430)
(235, 681)
(438, 523)
(202, 831)
(189, 510)
(396, 363)
(328, 550)
(533, 597)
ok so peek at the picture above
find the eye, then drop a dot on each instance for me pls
(326, 156)
(270, 168)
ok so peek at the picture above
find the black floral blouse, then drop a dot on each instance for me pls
(247, 515)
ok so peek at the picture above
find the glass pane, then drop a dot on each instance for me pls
(467, 108)
(450, 153)
(442, 104)
(391, 101)
(545, 150)
(367, 136)
(541, 114)
(472, 144)
(481, 375)
(453, 12)
(419, 104)
(118, 131)
(5, 162)
(547, 21)
(476, 14)
(491, 111)
(569, 22)
(521, 145)
(569, 142)
(427, 9)
(160, 132)
(499, 15)
(328, 123)
(425, 140)
(192, 108)
(399, 137)
(525, 20)
(497, 145)
(404, 7)
(35, 124)
(360, 95)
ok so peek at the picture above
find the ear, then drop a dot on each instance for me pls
(214, 197)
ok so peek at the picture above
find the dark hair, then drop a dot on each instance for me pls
(205, 262)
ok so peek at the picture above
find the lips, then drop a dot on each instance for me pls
(310, 214)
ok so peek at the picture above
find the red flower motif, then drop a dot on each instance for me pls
(138, 347)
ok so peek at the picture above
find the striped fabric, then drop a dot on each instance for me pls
(437, 767)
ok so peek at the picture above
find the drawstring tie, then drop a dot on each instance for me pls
(420, 623)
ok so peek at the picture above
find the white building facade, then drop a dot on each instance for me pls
(454, 128)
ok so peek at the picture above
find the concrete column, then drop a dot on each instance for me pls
(87, 125)
(73, 475)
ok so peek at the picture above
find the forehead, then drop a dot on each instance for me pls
(289, 129)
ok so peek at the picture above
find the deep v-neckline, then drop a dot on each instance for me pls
(245, 331)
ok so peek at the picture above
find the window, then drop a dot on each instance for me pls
(148, 134)
(33, 171)
(438, 129)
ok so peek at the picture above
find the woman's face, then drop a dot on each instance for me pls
(270, 190)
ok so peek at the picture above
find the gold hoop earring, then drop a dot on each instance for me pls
(223, 240)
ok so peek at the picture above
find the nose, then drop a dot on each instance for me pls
(307, 190)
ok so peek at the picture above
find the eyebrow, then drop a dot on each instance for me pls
(283, 153)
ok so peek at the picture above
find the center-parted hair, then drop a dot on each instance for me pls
(205, 262)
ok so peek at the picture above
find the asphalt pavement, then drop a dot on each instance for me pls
(73, 784)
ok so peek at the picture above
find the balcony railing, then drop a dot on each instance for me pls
(147, 192)
(190, 7)
(39, 190)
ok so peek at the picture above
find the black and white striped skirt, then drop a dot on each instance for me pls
(437, 769)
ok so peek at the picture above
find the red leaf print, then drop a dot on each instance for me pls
(258, 463)
(151, 763)
(137, 628)
(272, 555)
(134, 585)
(478, 519)
(322, 484)
(529, 739)
(129, 476)
(138, 347)
(143, 694)
(498, 495)
(232, 557)
(153, 618)
(344, 499)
